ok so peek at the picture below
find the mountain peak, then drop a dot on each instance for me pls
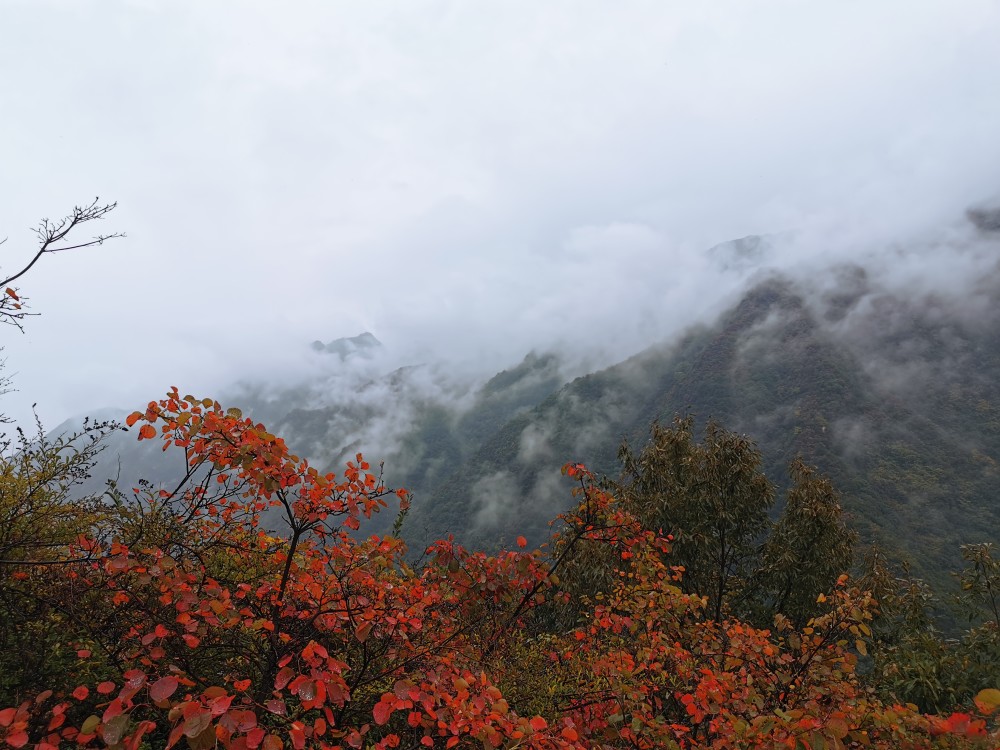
(364, 344)
(985, 219)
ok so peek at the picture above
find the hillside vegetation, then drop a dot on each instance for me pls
(168, 616)
(735, 556)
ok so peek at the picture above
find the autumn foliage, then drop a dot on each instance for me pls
(241, 608)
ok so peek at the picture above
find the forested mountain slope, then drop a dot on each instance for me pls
(894, 396)
(886, 385)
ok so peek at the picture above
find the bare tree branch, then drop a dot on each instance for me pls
(50, 234)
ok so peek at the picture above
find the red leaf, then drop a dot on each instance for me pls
(163, 688)
(115, 708)
(175, 735)
(106, 688)
(522, 542)
(221, 704)
(255, 737)
(81, 693)
(283, 677)
(18, 739)
(363, 631)
(306, 689)
(55, 722)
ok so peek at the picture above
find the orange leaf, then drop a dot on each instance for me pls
(147, 431)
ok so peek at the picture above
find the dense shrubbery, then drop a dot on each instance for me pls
(172, 617)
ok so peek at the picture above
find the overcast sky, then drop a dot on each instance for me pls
(466, 180)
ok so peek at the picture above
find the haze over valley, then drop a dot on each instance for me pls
(879, 371)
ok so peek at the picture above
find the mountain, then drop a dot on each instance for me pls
(363, 345)
(884, 379)
(902, 416)
(420, 421)
(889, 389)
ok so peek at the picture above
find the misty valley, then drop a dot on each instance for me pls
(889, 391)
(775, 529)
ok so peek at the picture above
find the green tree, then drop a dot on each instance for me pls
(918, 661)
(714, 501)
(808, 548)
(712, 498)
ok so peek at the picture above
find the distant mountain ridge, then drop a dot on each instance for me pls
(364, 344)
(890, 390)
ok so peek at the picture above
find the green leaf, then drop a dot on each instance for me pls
(90, 725)
(114, 729)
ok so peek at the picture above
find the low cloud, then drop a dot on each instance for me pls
(467, 182)
(494, 499)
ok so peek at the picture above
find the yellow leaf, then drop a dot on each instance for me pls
(988, 700)
(861, 647)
